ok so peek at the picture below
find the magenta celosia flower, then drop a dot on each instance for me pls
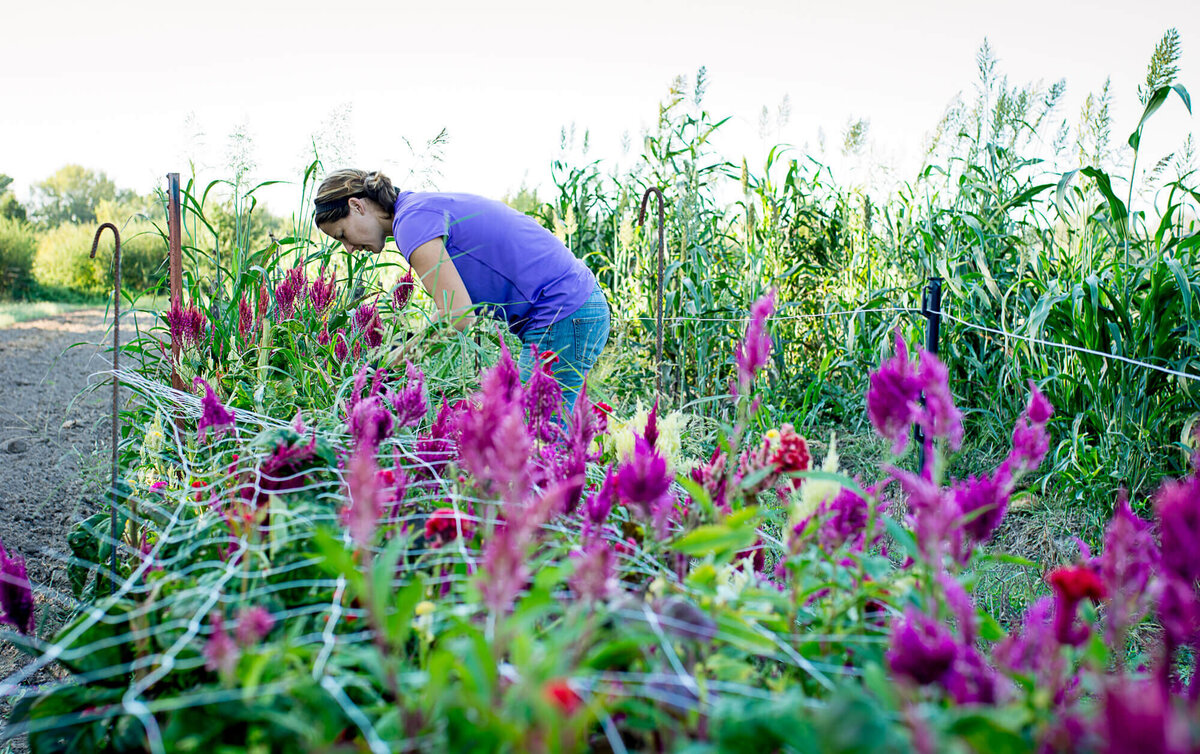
(1179, 611)
(940, 418)
(369, 422)
(984, 501)
(921, 649)
(970, 679)
(495, 447)
(934, 515)
(599, 506)
(752, 353)
(644, 479)
(445, 525)
(187, 325)
(503, 381)
(323, 337)
(403, 291)
(1127, 566)
(220, 652)
(1033, 649)
(289, 292)
(16, 593)
(711, 476)
(362, 514)
(594, 577)
(340, 349)
(894, 396)
(1030, 440)
(961, 606)
(253, 625)
(505, 555)
(213, 415)
(1177, 506)
(1137, 718)
(435, 449)
(410, 403)
(322, 292)
(844, 520)
(368, 323)
(245, 318)
(543, 402)
(1072, 585)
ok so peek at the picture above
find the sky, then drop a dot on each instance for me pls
(137, 89)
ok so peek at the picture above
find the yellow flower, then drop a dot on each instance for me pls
(425, 607)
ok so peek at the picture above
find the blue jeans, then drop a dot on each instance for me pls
(578, 339)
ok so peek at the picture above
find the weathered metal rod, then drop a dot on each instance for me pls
(175, 267)
(116, 385)
(662, 263)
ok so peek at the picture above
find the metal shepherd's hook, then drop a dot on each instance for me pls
(662, 263)
(116, 353)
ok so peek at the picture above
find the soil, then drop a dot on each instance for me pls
(55, 457)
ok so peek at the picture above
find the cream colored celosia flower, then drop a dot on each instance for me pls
(154, 439)
(622, 435)
(732, 578)
(816, 491)
(423, 622)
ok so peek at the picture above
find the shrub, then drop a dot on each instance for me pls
(17, 246)
(62, 259)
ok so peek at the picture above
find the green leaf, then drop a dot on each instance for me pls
(1116, 207)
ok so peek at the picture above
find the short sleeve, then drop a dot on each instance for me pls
(416, 227)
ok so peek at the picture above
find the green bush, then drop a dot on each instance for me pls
(17, 246)
(62, 260)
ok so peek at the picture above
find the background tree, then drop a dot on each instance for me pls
(10, 208)
(72, 194)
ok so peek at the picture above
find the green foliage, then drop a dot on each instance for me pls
(10, 208)
(17, 247)
(62, 259)
(72, 195)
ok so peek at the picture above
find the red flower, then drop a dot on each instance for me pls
(1072, 584)
(792, 453)
(443, 526)
(559, 693)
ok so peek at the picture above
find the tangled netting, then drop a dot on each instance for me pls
(205, 580)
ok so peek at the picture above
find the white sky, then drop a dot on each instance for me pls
(124, 87)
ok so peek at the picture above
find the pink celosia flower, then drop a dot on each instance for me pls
(921, 649)
(289, 291)
(1071, 585)
(595, 568)
(213, 414)
(220, 652)
(505, 555)
(403, 291)
(16, 593)
(984, 501)
(362, 514)
(494, 444)
(445, 525)
(711, 476)
(1030, 440)
(1127, 566)
(941, 418)
(245, 318)
(340, 349)
(253, 624)
(844, 520)
(935, 516)
(599, 506)
(435, 449)
(369, 422)
(1034, 650)
(644, 480)
(1177, 505)
(322, 292)
(1179, 612)
(410, 403)
(543, 402)
(368, 323)
(1137, 718)
(323, 337)
(970, 679)
(894, 396)
(752, 353)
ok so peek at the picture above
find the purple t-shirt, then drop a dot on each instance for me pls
(507, 261)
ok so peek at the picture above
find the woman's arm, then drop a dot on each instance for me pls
(436, 270)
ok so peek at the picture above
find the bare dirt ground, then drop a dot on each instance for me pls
(54, 457)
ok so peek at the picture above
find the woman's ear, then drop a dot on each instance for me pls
(356, 204)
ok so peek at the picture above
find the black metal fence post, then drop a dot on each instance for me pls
(116, 388)
(931, 310)
(661, 273)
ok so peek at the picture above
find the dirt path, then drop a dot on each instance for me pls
(54, 455)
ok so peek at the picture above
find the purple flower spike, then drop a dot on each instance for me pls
(752, 353)
(894, 396)
(369, 422)
(986, 498)
(1177, 505)
(289, 292)
(543, 400)
(253, 624)
(16, 593)
(220, 652)
(361, 516)
(941, 417)
(245, 318)
(322, 293)
(1030, 440)
(411, 403)
(213, 414)
(595, 568)
(340, 349)
(403, 291)
(644, 479)
(1126, 567)
(922, 649)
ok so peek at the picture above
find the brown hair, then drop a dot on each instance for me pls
(341, 185)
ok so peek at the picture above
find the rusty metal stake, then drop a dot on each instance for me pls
(116, 386)
(175, 266)
(662, 262)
